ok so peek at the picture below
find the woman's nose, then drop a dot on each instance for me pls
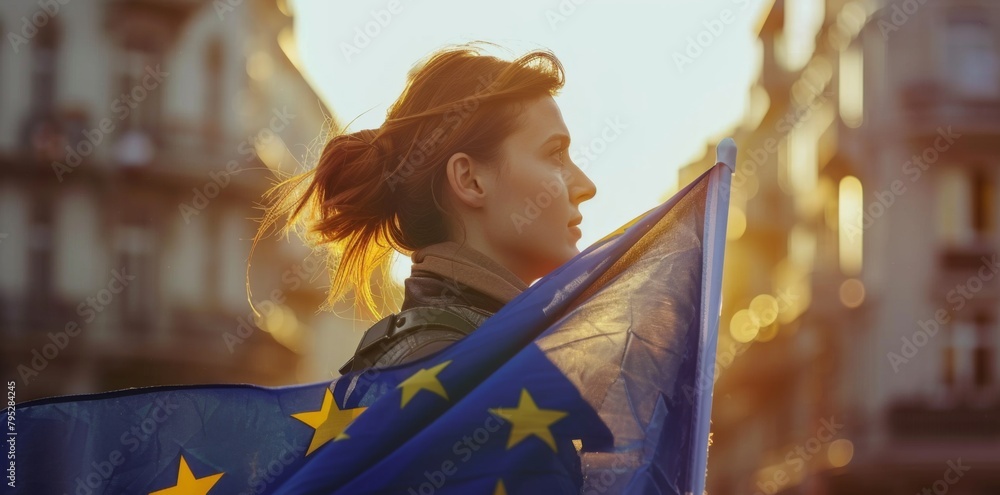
(581, 187)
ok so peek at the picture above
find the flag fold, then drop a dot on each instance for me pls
(596, 379)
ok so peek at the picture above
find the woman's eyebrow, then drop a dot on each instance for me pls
(558, 137)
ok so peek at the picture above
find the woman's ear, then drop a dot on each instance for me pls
(467, 180)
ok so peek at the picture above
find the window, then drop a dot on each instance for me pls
(142, 32)
(213, 95)
(139, 94)
(15, 221)
(983, 356)
(41, 130)
(44, 56)
(964, 206)
(969, 355)
(138, 105)
(982, 203)
(972, 59)
(135, 258)
(232, 252)
(2, 30)
(40, 261)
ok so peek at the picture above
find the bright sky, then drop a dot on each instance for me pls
(624, 78)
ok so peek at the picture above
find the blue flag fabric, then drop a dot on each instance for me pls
(596, 379)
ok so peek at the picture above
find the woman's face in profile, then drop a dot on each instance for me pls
(534, 209)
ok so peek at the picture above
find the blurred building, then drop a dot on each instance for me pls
(857, 353)
(136, 138)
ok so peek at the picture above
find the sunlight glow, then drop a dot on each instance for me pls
(852, 86)
(851, 211)
(620, 66)
(803, 19)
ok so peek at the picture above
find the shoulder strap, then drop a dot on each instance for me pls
(388, 330)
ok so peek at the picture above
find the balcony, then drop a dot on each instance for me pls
(914, 420)
(966, 269)
(929, 107)
(967, 258)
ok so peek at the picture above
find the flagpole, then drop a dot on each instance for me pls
(716, 217)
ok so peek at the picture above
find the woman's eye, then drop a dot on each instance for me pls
(560, 155)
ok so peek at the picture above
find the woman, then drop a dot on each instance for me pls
(470, 175)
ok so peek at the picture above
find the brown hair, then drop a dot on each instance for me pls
(376, 190)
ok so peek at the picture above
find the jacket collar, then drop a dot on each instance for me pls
(449, 273)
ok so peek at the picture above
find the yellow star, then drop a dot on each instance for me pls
(500, 489)
(329, 422)
(425, 379)
(187, 484)
(528, 420)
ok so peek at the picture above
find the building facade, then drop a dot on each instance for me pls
(857, 352)
(136, 139)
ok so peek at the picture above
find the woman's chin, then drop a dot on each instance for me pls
(573, 251)
(568, 253)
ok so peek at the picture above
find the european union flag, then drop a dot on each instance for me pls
(597, 379)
